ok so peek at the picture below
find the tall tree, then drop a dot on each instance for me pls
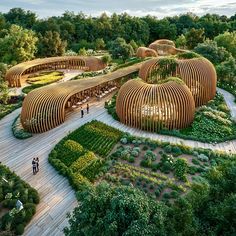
(51, 45)
(193, 37)
(4, 91)
(21, 17)
(109, 210)
(212, 52)
(228, 41)
(18, 45)
(120, 49)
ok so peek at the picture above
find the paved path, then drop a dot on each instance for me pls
(229, 146)
(229, 99)
(57, 197)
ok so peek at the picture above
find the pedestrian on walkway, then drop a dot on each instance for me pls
(87, 108)
(34, 165)
(82, 112)
(37, 164)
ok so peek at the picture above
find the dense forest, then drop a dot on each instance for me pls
(34, 37)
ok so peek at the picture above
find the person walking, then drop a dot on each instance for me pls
(82, 112)
(34, 165)
(37, 164)
(87, 108)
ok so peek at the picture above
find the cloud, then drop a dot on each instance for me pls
(159, 8)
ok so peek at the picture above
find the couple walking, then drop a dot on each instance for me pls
(82, 111)
(35, 165)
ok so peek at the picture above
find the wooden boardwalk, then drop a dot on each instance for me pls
(57, 197)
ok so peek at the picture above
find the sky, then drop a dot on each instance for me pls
(159, 8)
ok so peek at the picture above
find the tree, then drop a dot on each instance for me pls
(100, 44)
(133, 45)
(212, 52)
(228, 41)
(51, 45)
(181, 42)
(226, 71)
(165, 30)
(82, 52)
(111, 210)
(18, 45)
(120, 49)
(106, 59)
(4, 91)
(193, 37)
(20, 17)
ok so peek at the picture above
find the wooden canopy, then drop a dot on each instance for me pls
(14, 74)
(155, 106)
(143, 52)
(44, 108)
(198, 73)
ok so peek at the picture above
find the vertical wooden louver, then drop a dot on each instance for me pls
(155, 106)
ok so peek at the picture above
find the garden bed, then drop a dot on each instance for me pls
(97, 152)
(12, 188)
(162, 170)
(81, 156)
(41, 79)
(212, 123)
(18, 130)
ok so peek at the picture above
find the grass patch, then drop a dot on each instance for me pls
(42, 79)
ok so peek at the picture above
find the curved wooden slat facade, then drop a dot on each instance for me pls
(14, 74)
(44, 108)
(198, 73)
(155, 106)
(143, 52)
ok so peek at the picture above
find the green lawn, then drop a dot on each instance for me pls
(42, 79)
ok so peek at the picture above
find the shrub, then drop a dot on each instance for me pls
(79, 182)
(18, 131)
(83, 161)
(136, 149)
(134, 153)
(166, 163)
(176, 150)
(11, 191)
(19, 229)
(145, 148)
(150, 155)
(155, 166)
(124, 140)
(131, 159)
(203, 158)
(195, 161)
(146, 163)
(166, 196)
(168, 149)
(181, 168)
(125, 154)
(151, 186)
(174, 194)
(157, 192)
(192, 170)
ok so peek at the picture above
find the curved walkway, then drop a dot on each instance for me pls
(57, 197)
